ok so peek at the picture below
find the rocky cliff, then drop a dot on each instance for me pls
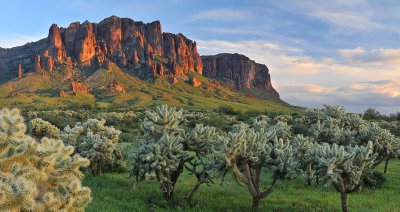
(123, 41)
(238, 71)
(142, 49)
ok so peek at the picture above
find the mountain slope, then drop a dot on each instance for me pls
(43, 92)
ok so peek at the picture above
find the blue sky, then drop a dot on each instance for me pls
(339, 52)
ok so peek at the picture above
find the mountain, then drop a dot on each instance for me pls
(122, 61)
(239, 72)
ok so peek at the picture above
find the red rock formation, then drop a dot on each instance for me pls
(174, 80)
(38, 67)
(182, 54)
(116, 87)
(63, 94)
(195, 82)
(55, 44)
(76, 86)
(122, 41)
(20, 71)
(85, 43)
(238, 71)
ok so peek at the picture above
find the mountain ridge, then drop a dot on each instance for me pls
(140, 49)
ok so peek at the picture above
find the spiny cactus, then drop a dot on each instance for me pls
(38, 175)
(301, 145)
(343, 167)
(249, 151)
(40, 128)
(163, 120)
(162, 160)
(167, 148)
(384, 143)
(96, 142)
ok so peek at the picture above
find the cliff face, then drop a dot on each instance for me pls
(239, 71)
(123, 41)
(126, 43)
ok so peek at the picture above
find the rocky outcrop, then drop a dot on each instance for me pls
(126, 43)
(238, 71)
(63, 94)
(195, 82)
(79, 87)
(116, 87)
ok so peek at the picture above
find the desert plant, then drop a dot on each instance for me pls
(38, 175)
(96, 142)
(384, 143)
(40, 128)
(167, 148)
(248, 152)
(343, 167)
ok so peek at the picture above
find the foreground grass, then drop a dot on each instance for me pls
(114, 192)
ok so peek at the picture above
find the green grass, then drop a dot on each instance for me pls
(114, 192)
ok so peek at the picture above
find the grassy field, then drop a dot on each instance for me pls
(114, 192)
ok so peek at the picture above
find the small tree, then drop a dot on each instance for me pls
(248, 152)
(38, 175)
(96, 142)
(343, 167)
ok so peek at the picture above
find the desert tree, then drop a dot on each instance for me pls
(38, 175)
(343, 167)
(248, 152)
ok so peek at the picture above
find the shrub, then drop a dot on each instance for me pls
(96, 142)
(38, 175)
(39, 128)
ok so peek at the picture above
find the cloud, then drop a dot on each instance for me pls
(223, 15)
(360, 55)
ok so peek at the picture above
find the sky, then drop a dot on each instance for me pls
(340, 52)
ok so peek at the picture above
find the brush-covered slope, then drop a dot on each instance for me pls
(102, 88)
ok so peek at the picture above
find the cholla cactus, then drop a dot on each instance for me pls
(40, 128)
(163, 120)
(384, 143)
(38, 175)
(199, 139)
(282, 130)
(162, 160)
(301, 145)
(249, 151)
(97, 142)
(167, 148)
(343, 167)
